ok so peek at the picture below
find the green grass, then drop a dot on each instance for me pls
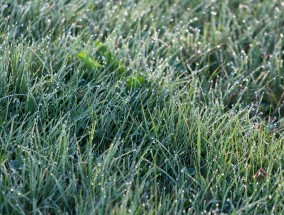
(141, 107)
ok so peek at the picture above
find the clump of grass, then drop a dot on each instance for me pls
(162, 107)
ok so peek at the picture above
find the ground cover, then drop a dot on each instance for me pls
(141, 107)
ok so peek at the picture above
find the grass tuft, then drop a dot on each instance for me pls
(141, 107)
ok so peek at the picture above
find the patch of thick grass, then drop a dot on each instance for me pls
(132, 107)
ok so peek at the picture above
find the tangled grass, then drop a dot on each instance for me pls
(141, 107)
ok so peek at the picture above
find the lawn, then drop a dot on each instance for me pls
(141, 107)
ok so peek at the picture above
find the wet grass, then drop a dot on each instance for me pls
(141, 107)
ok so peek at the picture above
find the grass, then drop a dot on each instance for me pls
(141, 107)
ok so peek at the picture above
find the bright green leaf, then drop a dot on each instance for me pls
(89, 62)
(135, 81)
